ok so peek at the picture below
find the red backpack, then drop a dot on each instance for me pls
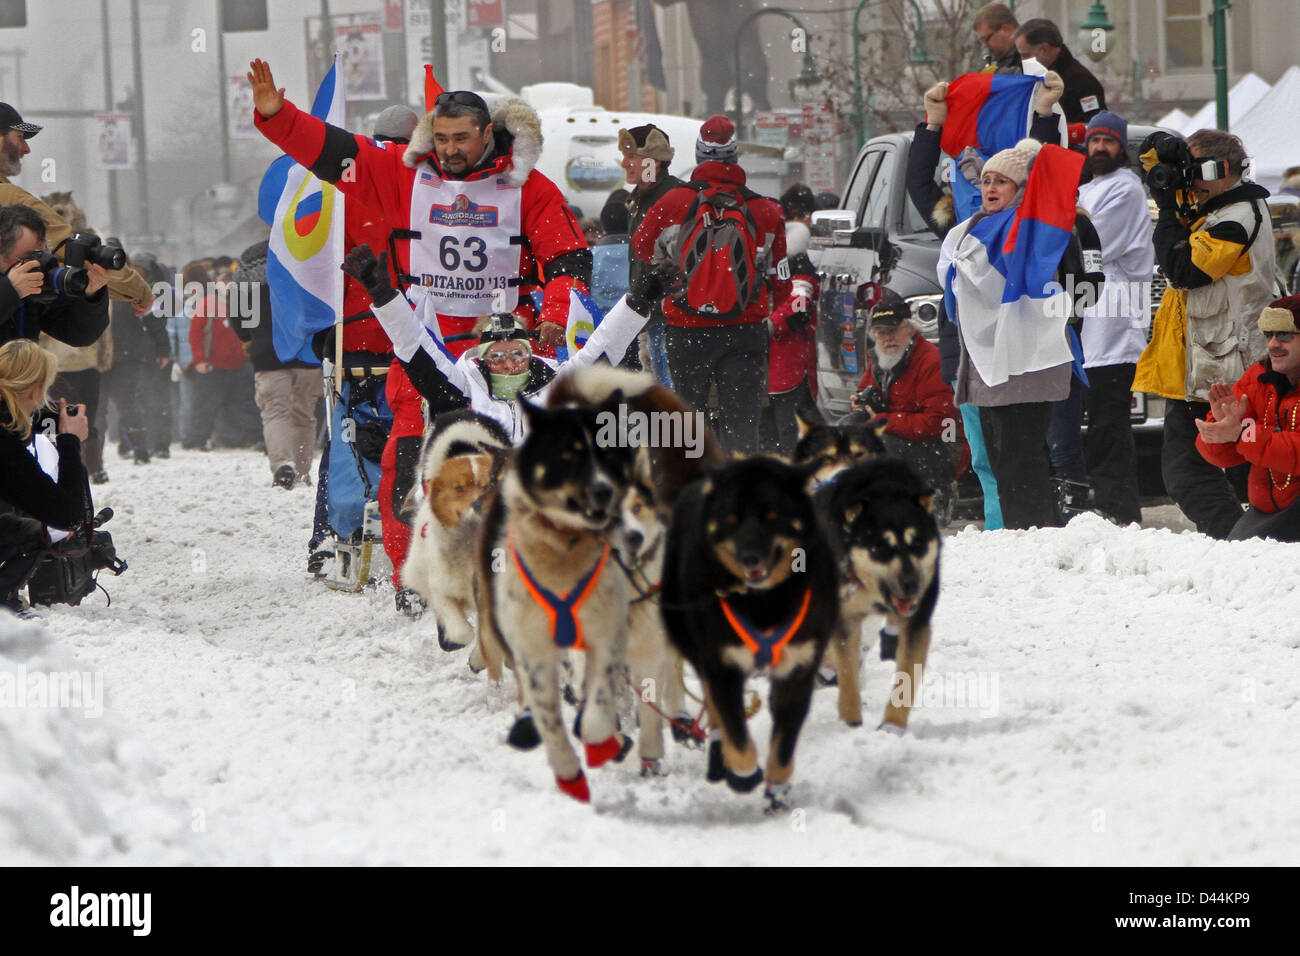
(718, 253)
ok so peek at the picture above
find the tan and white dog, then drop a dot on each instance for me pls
(460, 466)
(652, 663)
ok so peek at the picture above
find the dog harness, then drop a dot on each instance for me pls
(566, 628)
(766, 645)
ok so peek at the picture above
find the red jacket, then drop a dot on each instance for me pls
(211, 338)
(670, 210)
(792, 354)
(375, 174)
(919, 403)
(1269, 442)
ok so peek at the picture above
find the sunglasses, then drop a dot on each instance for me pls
(514, 355)
(1282, 337)
(461, 98)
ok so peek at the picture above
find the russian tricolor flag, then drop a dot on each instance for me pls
(306, 243)
(1000, 285)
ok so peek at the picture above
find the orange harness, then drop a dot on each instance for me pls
(561, 609)
(766, 645)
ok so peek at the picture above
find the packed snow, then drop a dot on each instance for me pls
(1096, 695)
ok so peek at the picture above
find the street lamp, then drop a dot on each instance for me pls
(805, 85)
(809, 68)
(1097, 19)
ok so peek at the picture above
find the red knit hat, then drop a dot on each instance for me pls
(717, 142)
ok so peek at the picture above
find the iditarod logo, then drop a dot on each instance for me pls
(463, 212)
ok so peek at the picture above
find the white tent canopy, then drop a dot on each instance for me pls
(1242, 97)
(1268, 130)
(1174, 119)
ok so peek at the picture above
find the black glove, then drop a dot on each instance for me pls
(372, 273)
(650, 287)
(797, 321)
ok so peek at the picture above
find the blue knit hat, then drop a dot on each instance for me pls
(1111, 124)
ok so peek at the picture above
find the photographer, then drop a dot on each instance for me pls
(37, 294)
(29, 497)
(1214, 241)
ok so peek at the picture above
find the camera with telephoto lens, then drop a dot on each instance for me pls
(84, 247)
(1176, 167)
(59, 279)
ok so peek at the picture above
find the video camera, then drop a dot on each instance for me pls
(1175, 167)
(84, 247)
(59, 279)
(67, 573)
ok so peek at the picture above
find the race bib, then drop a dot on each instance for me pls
(464, 259)
(1089, 103)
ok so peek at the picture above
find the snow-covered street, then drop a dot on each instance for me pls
(1126, 697)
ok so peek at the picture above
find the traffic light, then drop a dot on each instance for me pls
(241, 15)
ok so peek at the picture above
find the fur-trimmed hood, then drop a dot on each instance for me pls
(517, 135)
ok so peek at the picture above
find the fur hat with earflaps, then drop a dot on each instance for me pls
(512, 116)
(648, 140)
(1281, 316)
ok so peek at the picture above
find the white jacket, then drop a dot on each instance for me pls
(409, 335)
(1115, 329)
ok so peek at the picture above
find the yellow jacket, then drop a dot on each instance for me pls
(1221, 275)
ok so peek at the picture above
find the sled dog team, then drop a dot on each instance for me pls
(642, 557)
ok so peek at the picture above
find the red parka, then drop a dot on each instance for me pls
(666, 216)
(1270, 440)
(919, 402)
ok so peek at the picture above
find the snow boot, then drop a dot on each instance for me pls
(523, 734)
(613, 748)
(888, 644)
(576, 788)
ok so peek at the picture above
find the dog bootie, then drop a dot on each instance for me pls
(602, 753)
(826, 676)
(717, 769)
(888, 644)
(777, 797)
(652, 767)
(523, 735)
(576, 788)
(444, 643)
(893, 729)
(745, 784)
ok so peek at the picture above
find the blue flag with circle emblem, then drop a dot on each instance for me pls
(306, 244)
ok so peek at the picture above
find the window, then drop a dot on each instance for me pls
(882, 188)
(913, 221)
(861, 180)
(1186, 35)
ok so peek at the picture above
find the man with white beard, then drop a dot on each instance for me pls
(902, 383)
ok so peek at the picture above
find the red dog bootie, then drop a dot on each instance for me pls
(576, 788)
(604, 752)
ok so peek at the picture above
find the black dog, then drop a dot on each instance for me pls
(836, 447)
(750, 584)
(882, 528)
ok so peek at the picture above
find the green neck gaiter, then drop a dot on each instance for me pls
(506, 387)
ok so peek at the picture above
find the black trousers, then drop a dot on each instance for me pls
(82, 388)
(21, 544)
(780, 430)
(735, 359)
(1109, 450)
(1016, 439)
(1281, 525)
(1203, 492)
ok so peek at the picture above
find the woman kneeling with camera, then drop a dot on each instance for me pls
(41, 483)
